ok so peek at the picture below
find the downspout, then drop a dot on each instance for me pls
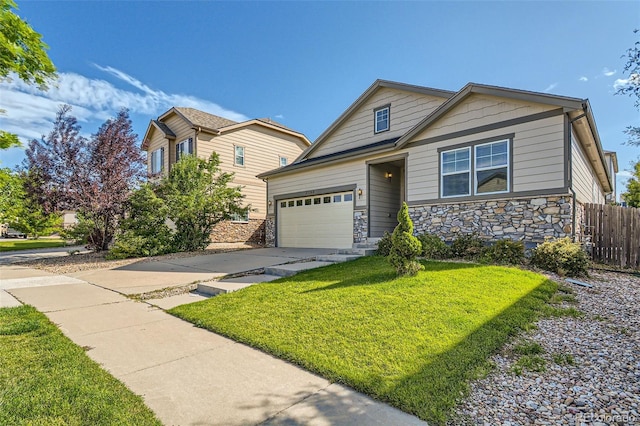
(570, 165)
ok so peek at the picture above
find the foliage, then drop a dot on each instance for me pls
(632, 196)
(505, 252)
(398, 339)
(143, 231)
(405, 248)
(45, 379)
(198, 196)
(33, 221)
(632, 87)
(561, 256)
(433, 247)
(384, 245)
(23, 54)
(467, 246)
(11, 194)
(93, 177)
(79, 232)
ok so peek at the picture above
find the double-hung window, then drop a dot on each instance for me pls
(492, 167)
(487, 172)
(157, 161)
(239, 155)
(381, 119)
(184, 147)
(283, 161)
(456, 172)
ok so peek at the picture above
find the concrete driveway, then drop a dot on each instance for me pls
(150, 275)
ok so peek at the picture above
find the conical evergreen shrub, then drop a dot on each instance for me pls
(405, 248)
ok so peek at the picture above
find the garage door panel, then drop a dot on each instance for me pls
(327, 224)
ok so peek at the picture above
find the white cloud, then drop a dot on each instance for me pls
(30, 112)
(550, 87)
(583, 78)
(634, 80)
(279, 116)
(607, 72)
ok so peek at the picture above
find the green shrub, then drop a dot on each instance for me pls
(506, 252)
(561, 256)
(467, 246)
(405, 248)
(433, 247)
(384, 245)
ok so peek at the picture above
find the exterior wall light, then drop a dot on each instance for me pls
(388, 175)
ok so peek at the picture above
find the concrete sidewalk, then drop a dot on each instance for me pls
(16, 256)
(188, 375)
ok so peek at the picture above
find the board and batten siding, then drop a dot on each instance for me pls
(263, 148)
(407, 109)
(537, 158)
(585, 181)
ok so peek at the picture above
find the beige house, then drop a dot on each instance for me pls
(501, 162)
(245, 149)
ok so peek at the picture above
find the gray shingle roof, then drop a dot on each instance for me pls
(204, 119)
(165, 129)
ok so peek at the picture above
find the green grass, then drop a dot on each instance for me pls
(18, 244)
(413, 342)
(45, 379)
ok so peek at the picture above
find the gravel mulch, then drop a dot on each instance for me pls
(89, 261)
(591, 365)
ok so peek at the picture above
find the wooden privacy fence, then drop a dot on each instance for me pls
(614, 234)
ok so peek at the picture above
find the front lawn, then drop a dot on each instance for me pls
(413, 342)
(45, 379)
(18, 244)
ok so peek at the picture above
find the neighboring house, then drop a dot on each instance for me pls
(246, 149)
(501, 162)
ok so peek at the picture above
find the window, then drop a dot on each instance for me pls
(317, 200)
(239, 155)
(298, 202)
(291, 203)
(337, 198)
(492, 167)
(307, 202)
(237, 217)
(157, 161)
(456, 166)
(348, 197)
(283, 161)
(283, 204)
(326, 200)
(490, 171)
(184, 147)
(381, 119)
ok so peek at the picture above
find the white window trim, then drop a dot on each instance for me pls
(443, 174)
(184, 146)
(280, 158)
(375, 119)
(235, 156)
(238, 219)
(477, 169)
(159, 154)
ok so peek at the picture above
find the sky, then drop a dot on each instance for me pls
(304, 63)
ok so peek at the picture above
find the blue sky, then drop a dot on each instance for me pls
(304, 63)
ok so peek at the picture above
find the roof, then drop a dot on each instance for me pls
(266, 122)
(567, 104)
(163, 128)
(199, 118)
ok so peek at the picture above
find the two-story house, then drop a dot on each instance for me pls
(245, 149)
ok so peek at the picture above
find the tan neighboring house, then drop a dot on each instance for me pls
(501, 162)
(246, 149)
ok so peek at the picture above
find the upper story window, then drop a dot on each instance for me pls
(283, 161)
(492, 167)
(488, 170)
(381, 119)
(455, 169)
(239, 155)
(157, 161)
(184, 147)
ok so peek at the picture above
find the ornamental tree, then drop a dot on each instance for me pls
(405, 248)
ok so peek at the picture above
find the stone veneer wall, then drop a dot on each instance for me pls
(527, 219)
(233, 232)
(360, 226)
(270, 231)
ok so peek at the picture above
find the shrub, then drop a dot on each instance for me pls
(505, 252)
(433, 247)
(384, 245)
(467, 246)
(561, 256)
(404, 246)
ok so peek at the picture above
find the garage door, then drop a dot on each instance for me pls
(319, 221)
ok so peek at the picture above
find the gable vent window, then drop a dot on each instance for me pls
(381, 119)
(184, 147)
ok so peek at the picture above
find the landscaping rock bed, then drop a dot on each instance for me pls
(591, 364)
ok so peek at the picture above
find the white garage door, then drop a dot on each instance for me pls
(318, 221)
